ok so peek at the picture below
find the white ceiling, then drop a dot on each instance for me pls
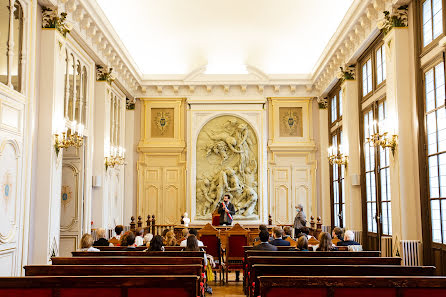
(179, 36)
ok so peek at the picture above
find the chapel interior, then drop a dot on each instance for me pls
(147, 114)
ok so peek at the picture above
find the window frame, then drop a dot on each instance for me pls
(340, 179)
(370, 53)
(426, 49)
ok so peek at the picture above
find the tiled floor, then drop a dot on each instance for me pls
(231, 289)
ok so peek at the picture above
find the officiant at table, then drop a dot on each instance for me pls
(226, 210)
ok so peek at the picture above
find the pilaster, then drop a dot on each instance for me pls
(324, 167)
(401, 98)
(350, 127)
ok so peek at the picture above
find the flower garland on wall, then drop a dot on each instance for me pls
(347, 74)
(52, 19)
(104, 75)
(396, 19)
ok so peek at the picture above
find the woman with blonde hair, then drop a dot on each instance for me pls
(170, 239)
(87, 244)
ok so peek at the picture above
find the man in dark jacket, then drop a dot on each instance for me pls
(226, 210)
(264, 245)
(349, 237)
(278, 241)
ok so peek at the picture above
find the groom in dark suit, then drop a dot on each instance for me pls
(226, 210)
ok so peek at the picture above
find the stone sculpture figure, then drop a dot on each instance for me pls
(227, 163)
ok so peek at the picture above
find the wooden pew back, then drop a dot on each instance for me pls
(139, 254)
(112, 286)
(126, 260)
(395, 286)
(83, 270)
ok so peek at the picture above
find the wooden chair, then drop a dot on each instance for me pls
(211, 238)
(237, 239)
(291, 241)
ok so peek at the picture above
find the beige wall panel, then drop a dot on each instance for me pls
(67, 245)
(281, 201)
(7, 263)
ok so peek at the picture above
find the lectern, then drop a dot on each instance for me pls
(215, 218)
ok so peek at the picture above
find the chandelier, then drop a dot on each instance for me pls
(116, 157)
(72, 137)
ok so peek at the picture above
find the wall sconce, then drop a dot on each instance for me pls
(74, 137)
(116, 157)
(337, 157)
(384, 140)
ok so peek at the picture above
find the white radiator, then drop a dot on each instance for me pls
(410, 252)
(358, 236)
(386, 246)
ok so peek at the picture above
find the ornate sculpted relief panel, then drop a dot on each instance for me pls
(227, 162)
(163, 124)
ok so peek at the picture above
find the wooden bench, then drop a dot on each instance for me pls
(139, 254)
(251, 260)
(140, 248)
(126, 260)
(100, 286)
(84, 270)
(347, 286)
(259, 270)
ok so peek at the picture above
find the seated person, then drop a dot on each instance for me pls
(170, 239)
(87, 244)
(304, 231)
(185, 233)
(337, 233)
(192, 245)
(101, 238)
(278, 241)
(116, 240)
(263, 227)
(128, 240)
(147, 238)
(164, 233)
(139, 240)
(156, 244)
(325, 243)
(264, 245)
(192, 232)
(302, 244)
(349, 239)
(288, 231)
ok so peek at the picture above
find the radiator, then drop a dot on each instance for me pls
(386, 246)
(410, 252)
(358, 236)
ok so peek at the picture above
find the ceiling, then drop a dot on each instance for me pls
(178, 36)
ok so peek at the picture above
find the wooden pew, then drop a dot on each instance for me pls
(126, 260)
(111, 286)
(249, 252)
(316, 286)
(83, 270)
(139, 254)
(140, 248)
(259, 270)
(251, 260)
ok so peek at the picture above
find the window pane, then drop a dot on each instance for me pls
(333, 109)
(17, 49)
(431, 133)
(439, 84)
(441, 126)
(427, 22)
(369, 76)
(340, 103)
(438, 18)
(429, 90)
(442, 169)
(436, 220)
(443, 216)
(433, 177)
(4, 29)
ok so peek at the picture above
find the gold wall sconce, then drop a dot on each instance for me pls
(337, 156)
(69, 137)
(116, 157)
(384, 140)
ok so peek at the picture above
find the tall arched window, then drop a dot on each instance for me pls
(11, 36)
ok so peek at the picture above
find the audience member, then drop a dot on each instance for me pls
(349, 239)
(156, 244)
(116, 240)
(147, 238)
(302, 244)
(128, 240)
(170, 239)
(278, 241)
(139, 239)
(325, 243)
(337, 233)
(87, 244)
(288, 232)
(100, 232)
(264, 245)
(165, 232)
(263, 227)
(192, 245)
(191, 232)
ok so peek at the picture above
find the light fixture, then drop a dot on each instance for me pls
(336, 156)
(73, 137)
(384, 140)
(115, 158)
